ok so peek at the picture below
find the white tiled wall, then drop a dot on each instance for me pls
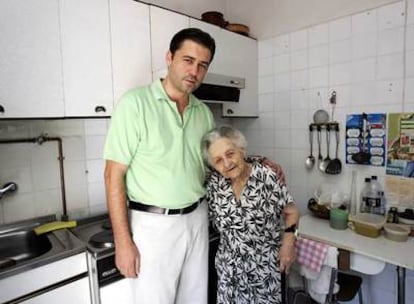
(35, 168)
(368, 59)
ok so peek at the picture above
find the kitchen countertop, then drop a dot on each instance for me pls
(381, 248)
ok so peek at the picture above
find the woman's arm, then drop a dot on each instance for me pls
(287, 252)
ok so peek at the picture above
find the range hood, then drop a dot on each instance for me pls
(218, 88)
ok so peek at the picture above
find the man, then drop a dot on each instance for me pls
(153, 160)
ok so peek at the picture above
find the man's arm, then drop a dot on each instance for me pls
(127, 255)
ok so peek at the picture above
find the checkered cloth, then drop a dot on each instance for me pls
(311, 254)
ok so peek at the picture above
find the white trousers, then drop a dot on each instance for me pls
(174, 257)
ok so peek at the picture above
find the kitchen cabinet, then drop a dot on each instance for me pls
(131, 45)
(216, 65)
(86, 52)
(75, 292)
(164, 24)
(30, 59)
(236, 55)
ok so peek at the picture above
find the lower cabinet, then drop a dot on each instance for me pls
(74, 292)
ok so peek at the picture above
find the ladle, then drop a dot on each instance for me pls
(310, 160)
(320, 158)
(324, 164)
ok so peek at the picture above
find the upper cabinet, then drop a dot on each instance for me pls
(86, 51)
(164, 24)
(30, 59)
(131, 52)
(236, 55)
(75, 58)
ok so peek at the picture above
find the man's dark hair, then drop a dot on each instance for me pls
(196, 35)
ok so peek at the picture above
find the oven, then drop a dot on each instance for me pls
(107, 284)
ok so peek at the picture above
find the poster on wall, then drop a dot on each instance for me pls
(365, 139)
(400, 155)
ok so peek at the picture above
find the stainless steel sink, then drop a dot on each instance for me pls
(22, 249)
(22, 245)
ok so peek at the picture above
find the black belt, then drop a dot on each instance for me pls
(153, 209)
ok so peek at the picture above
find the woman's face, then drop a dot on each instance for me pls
(227, 158)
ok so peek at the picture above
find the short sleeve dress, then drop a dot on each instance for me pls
(246, 259)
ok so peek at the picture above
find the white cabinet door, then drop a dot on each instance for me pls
(164, 24)
(215, 32)
(30, 59)
(87, 72)
(236, 55)
(131, 45)
(75, 292)
(241, 54)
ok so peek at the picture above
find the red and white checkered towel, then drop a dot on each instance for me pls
(311, 254)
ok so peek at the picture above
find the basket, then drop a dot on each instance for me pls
(320, 211)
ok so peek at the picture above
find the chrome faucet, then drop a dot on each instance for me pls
(8, 187)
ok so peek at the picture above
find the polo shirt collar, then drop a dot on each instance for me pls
(160, 94)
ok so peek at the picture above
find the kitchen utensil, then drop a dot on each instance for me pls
(318, 210)
(214, 18)
(335, 166)
(338, 219)
(320, 117)
(396, 232)
(363, 157)
(320, 158)
(368, 224)
(310, 160)
(238, 28)
(332, 101)
(324, 164)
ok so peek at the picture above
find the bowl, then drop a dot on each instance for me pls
(318, 210)
(367, 224)
(396, 232)
(214, 17)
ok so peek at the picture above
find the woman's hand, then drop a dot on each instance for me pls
(287, 253)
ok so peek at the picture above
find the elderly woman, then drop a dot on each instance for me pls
(247, 201)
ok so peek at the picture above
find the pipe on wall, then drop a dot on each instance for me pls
(40, 140)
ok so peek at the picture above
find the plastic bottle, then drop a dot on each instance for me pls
(376, 201)
(364, 202)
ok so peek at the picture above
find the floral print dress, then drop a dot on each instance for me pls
(246, 259)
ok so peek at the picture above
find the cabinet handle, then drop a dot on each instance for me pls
(234, 82)
(1, 109)
(100, 109)
(230, 111)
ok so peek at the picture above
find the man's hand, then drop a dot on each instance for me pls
(128, 259)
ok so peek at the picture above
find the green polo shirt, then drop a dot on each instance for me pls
(161, 148)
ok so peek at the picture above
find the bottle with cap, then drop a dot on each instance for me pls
(376, 199)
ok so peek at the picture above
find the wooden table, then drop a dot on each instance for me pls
(399, 254)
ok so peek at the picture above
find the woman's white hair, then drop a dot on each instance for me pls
(228, 132)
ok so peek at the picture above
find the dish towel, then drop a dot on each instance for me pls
(316, 262)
